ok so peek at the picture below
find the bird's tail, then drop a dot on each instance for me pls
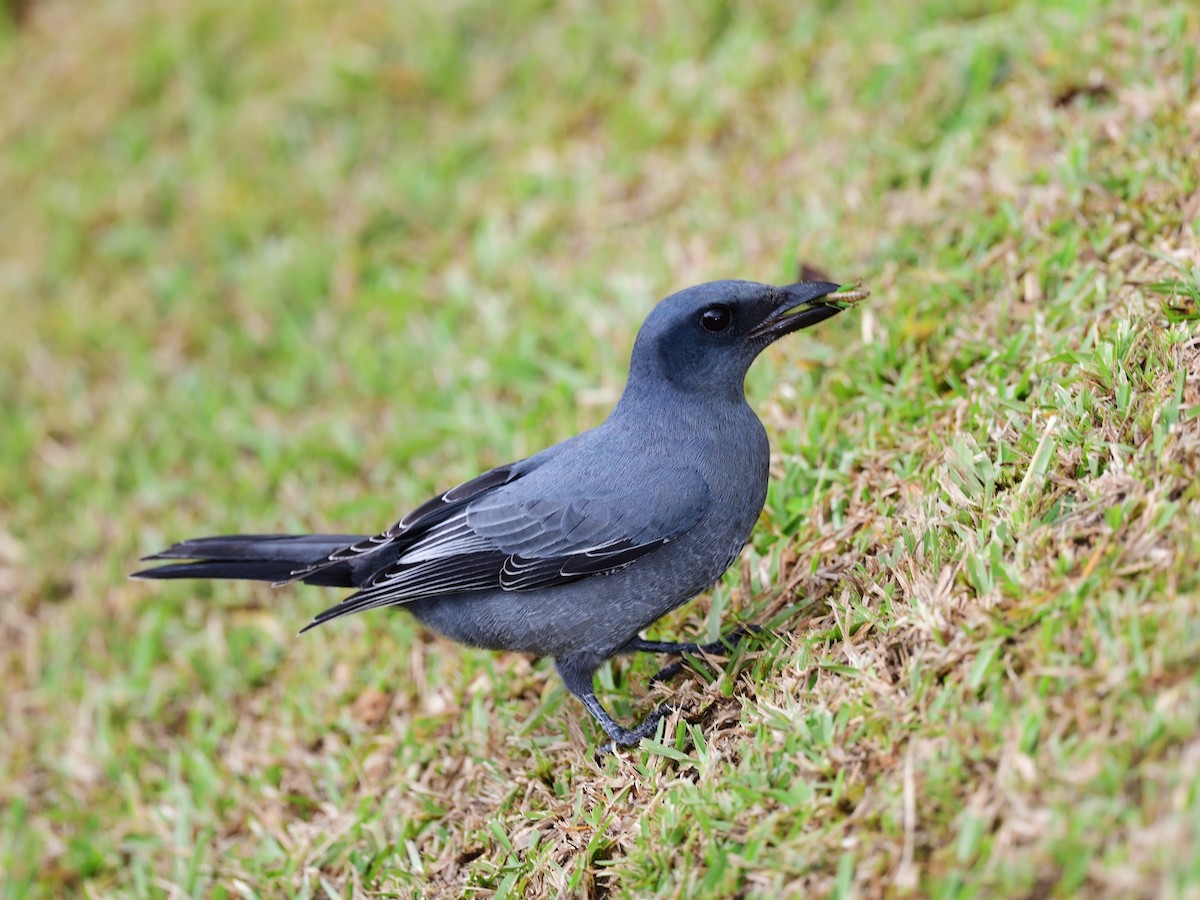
(257, 557)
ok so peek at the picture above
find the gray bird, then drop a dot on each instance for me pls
(572, 552)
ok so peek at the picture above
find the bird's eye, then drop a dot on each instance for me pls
(716, 319)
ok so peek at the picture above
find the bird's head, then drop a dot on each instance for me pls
(703, 339)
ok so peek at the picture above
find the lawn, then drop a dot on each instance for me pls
(294, 267)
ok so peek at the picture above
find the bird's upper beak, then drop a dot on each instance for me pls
(799, 307)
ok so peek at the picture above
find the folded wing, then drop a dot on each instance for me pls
(515, 533)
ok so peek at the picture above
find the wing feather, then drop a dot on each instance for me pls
(418, 523)
(517, 533)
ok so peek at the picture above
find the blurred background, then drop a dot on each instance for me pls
(275, 266)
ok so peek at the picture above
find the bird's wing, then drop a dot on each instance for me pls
(515, 537)
(415, 525)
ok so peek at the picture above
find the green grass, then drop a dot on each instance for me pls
(294, 267)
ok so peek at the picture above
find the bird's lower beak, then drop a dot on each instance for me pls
(801, 307)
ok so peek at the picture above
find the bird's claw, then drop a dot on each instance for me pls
(631, 737)
(719, 647)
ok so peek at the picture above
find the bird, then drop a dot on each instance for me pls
(574, 552)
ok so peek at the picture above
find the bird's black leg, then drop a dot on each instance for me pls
(719, 647)
(623, 737)
(577, 674)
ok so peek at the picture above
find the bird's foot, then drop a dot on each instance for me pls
(720, 647)
(629, 737)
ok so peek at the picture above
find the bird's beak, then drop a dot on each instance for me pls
(799, 307)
